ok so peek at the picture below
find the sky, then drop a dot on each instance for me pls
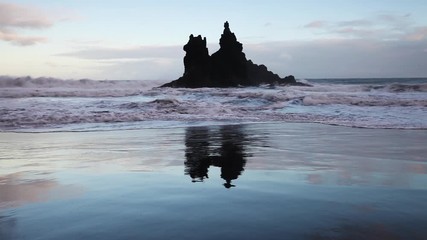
(142, 40)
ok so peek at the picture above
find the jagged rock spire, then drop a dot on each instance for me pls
(196, 62)
(229, 62)
(228, 40)
(228, 67)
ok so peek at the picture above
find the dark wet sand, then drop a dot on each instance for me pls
(255, 181)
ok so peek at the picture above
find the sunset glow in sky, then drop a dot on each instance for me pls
(134, 39)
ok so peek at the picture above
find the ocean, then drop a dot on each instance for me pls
(47, 104)
(85, 159)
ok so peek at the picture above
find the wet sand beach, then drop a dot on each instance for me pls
(239, 181)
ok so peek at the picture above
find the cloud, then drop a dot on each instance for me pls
(14, 17)
(342, 58)
(357, 32)
(19, 39)
(325, 58)
(138, 52)
(316, 24)
(380, 46)
(418, 34)
(394, 18)
(137, 62)
(355, 23)
(145, 69)
(381, 27)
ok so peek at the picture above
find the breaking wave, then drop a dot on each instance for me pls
(12, 87)
(41, 103)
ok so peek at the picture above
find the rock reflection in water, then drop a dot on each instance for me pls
(223, 148)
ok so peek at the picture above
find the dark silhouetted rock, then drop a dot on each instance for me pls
(196, 63)
(228, 64)
(228, 67)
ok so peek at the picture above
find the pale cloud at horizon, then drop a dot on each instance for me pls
(341, 58)
(337, 58)
(135, 52)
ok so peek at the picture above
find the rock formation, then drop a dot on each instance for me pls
(228, 67)
(196, 63)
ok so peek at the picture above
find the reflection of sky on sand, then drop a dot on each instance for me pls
(346, 157)
(292, 180)
(16, 189)
(305, 152)
(93, 151)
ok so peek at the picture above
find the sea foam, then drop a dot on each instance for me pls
(42, 103)
(20, 87)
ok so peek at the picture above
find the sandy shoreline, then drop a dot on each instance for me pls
(254, 178)
(265, 146)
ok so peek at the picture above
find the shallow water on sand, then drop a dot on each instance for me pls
(254, 181)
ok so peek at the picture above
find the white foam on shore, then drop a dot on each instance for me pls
(45, 103)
